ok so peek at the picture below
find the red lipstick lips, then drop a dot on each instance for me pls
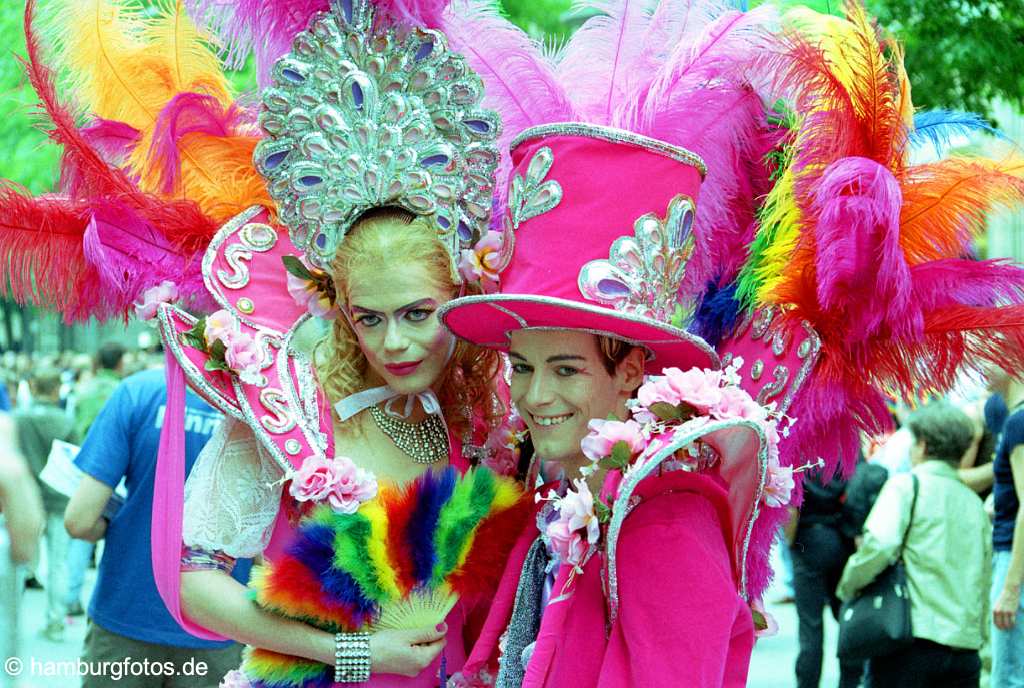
(403, 368)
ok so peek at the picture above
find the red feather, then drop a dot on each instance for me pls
(480, 573)
(400, 505)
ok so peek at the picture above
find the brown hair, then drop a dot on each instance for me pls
(381, 237)
(613, 352)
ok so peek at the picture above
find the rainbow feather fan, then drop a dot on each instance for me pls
(403, 560)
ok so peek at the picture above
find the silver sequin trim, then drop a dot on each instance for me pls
(620, 508)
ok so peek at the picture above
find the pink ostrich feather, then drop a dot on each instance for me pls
(265, 28)
(427, 14)
(860, 266)
(599, 59)
(519, 79)
(188, 113)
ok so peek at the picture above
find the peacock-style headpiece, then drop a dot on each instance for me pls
(367, 112)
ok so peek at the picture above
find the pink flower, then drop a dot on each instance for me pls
(735, 402)
(567, 544)
(235, 679)
(481, 262)
(352, 487)
(165, 292)
(314, 479)
(605, 434)
(243, 356)
(337, 481)
(307, 294)
(699, 388)
(219, 326)
(778, 484)
(576, 521)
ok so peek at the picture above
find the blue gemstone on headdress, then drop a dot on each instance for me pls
(321, 240)
(357, 96)
(439, 159)
(465, 232)
(346, 7)
(275, 159)
(293, 76)
(424, 51)
(444, 222)
(310, 180)
(478, 125)
(612, 287)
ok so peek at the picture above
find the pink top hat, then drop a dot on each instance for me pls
(597, 236)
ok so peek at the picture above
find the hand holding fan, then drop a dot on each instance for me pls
(402, 561)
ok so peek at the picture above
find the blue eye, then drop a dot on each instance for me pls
(566, 371)
(419, 314)
(368, 320)
(520, 369)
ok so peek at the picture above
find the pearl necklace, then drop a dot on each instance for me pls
(425, 442)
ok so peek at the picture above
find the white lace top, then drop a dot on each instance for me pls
(232, 494)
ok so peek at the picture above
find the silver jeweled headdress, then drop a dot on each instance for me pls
(366, 112)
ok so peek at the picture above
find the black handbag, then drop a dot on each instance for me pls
(877, 621)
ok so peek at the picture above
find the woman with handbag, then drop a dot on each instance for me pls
(938, 526)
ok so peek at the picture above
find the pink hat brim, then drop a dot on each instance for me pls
(487, 321)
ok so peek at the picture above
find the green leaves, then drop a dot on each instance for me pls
(196, 337)
(673, 413)
(295, 267)
(217, 360)
(620, 457)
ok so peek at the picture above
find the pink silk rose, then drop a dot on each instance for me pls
(567, 544)
(482, 261)
(338, 482)
(220, 325)
(779, 483)
(307, 294)
(699, 388)
(605, 434)
(243, 356)
(165, 292)
(353, 486)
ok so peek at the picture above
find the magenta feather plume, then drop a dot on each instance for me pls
(422, 13)
(187, 113)
(113, 140)
(861, 269)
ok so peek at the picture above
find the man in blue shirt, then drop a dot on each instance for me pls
(1004, 415)
(128, 618)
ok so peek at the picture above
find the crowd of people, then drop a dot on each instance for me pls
(941, 494)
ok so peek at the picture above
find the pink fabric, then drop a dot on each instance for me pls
(169, 502)
(681, 621)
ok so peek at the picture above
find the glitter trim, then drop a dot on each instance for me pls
(213, 283)
(166, 315)
(621, 508)
(611, 135)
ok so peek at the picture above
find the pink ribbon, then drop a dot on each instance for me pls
(169, 502)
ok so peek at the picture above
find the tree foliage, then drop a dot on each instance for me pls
(961, 54)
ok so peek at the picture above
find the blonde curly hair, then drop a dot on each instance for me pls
(381, 237)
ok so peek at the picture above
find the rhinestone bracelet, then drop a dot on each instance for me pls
(351, 657)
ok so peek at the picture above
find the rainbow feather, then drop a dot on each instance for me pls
(347, 571)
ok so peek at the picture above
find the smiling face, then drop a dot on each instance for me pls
(560, 383)
(393, 309)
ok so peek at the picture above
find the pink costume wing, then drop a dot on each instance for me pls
(286, 410)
